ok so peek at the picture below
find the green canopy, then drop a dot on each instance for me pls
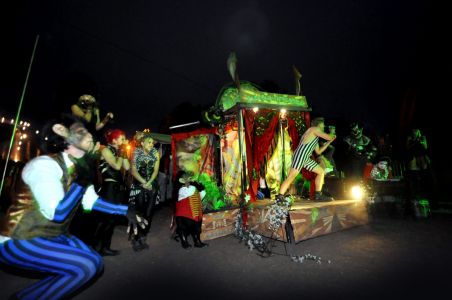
(251, 96)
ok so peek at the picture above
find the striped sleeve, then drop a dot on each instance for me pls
(109, 208)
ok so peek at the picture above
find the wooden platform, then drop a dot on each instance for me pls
(218, 224)
(311, 219)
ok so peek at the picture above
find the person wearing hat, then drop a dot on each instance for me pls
(189, 211)
(35, 233)
(87, 109)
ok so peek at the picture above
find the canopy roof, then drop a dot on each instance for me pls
(250, 96)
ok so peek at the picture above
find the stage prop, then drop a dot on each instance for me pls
(218, 224)
(248, 137)
(310, 219)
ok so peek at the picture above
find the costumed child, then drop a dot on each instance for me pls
(34, 235)
(189, 211)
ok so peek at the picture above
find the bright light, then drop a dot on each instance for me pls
(128, 147)
(357, 192)
(25, 136)
(283, 111)
(20, 142)
(256, 109)
(46, 138)
(12, 121)
(37, 131)
(18, 148)
(3, 119)
(23, 128)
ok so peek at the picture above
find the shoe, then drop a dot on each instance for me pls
(319, 197)
(109, 252)
(198, 243)
(184, 242)
(143, 244)
(136, 246)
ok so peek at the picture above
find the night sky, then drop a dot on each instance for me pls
(360, 60)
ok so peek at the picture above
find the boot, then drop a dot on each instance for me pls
(197, 241)
(143, 244)
(319, 197)
(137, 245)
(184, 242)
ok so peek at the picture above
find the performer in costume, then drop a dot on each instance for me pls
(359, 152)
(189, 212)
(302, 158)
(34, 234)
(113, 189)
(144, 189)
(87, 109)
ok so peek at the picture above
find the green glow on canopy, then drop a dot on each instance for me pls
(249, 94)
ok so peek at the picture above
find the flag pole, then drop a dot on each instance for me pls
(16, 120)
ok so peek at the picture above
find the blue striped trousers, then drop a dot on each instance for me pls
(69, 262)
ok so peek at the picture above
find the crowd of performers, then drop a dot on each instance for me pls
(77, 175)
(47, 227)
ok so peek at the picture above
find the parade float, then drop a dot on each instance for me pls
(247, 143)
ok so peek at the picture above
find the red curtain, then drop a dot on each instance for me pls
(260, 144)
(293, 133)
(257, 147)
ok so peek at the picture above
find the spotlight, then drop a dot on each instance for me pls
(256, 109)
(357, 192)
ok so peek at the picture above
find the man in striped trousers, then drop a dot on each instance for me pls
(34, 234)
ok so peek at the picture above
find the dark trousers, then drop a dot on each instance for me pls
(186, 226)
(144, 205)
(114, 193)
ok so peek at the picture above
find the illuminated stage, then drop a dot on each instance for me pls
(311, 219)
(308, 219)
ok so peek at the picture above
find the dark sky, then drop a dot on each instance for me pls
(359, 59)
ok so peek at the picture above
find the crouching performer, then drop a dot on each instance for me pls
(189, 211)
(34, 234)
